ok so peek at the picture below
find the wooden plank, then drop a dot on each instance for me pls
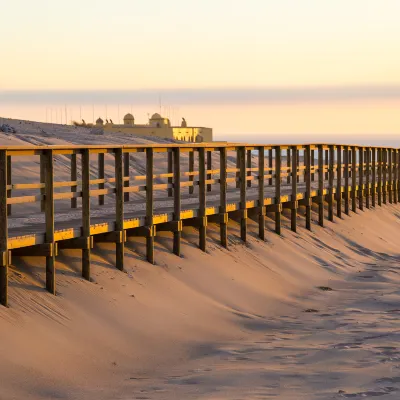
(74, 177)
(353, 179)
(339, 181)
(243, 219)
(223, 197)
(202, 197)
(209, 167)
(373, 183)
(307, 160)
(278, 183)
(126, 157)
(4, 256)
(149, 204)
(331, 177)
(177, 200)
(120, 170)
(49, 220)
(86, 253)
(320, 185)
(261, 186)
(346, 154)
(293, 216)
(191, 169)
(101, 176)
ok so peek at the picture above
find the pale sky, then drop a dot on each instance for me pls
(185, 44)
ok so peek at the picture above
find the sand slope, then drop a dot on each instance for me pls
(222, 325)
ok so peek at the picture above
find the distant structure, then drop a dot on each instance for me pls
(160, 127)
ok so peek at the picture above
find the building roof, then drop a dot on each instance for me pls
(156, 116)
(128, 117)
(99, 121)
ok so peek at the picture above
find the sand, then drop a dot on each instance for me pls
(251, 322)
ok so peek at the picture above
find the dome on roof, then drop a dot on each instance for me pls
(156, 116)
(99, 121)
(129, 117)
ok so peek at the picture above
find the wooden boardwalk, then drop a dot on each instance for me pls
(218, 182)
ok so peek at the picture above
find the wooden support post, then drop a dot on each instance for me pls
(9, 182)
(209, 167)
(398, 175)
(4, 256)
(261, 209)
(379, 176)
(313, 165)
(373, 183)
(223, 197)
(49, 218)
(243, 186)
(298, 166)
(361, 178)
(321, 175)
(367, 177)
(86, 253)
(42, 180)
(278, 181)
(390, 176)
(126, 174)
(395, 170)
(384, 180)
(326, 165)
(307, 160)
(238, 169)
(150, 204)
(353, 179)
(120, 168)
(202, 197)
(331, 176)
(191, 169)
(177, 200)
(74, 178)
(293, 219)
(249, 167)
(270, 165)
(100, 175)
(346, 154)
(170, 166)
(288, 165)
(339, 181)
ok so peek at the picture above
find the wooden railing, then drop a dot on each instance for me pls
(200, 184)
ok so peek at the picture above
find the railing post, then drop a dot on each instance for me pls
(177, 201)
(390, 172)
(202, 196)
(4, 256)
(169, 167)
(42, 180)
(209, 167)
(126, 174)
(74, 178)
(119, 166)
(191, 169)
(308, 200)
(384, 167)
(379, 176)
(249, 165)
(150, 204)
(361, 178)
(288, 165)
(321, 175)
(9, 182)
(367, 177)
(243, 186)
(373, 183)
(298, 166)
(49, 218)
(353, 179)
(223, 198)
(331, 176)
(313, 165)
(261, 209)
(238, 168)
(270, 165)
(339, 181)
(278, 181)
(326, 164)
(86, 252)
(346, 154)
(100, 164)
(395, 176)
(293, 207)
(398, 175)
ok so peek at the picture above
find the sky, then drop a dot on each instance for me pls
(259, 67)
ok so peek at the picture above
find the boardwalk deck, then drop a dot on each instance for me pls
(253, 183)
